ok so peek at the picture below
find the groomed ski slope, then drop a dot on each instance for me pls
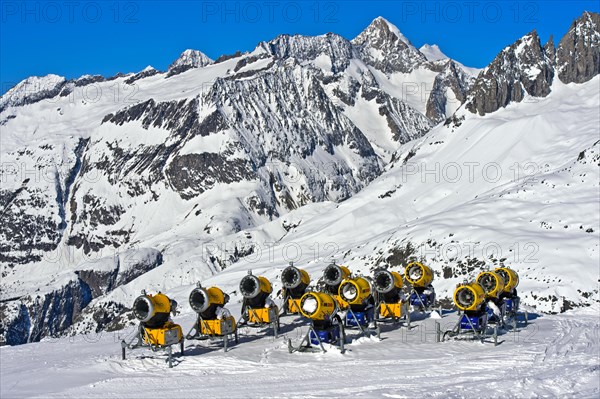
(554, 356)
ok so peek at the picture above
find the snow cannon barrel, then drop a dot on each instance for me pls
(469, 297)
(511, 279)
(355, 291)
(385, 281)
(294, 281)
(255, 290)
(418, 275)
(334, 274)
(205, 301)
(492, 283)
(318, 306)
(153, 310)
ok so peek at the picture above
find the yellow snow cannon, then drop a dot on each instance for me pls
(388, 296)
(333, 275)
(469, 296)
(213, 320)
(492, 283)
(511, 279)
(318, 305)
(358, 294)
(258, 309)
(355, 291)
(156, 331)
(325, 324)
(422, 294)
(509, 294)
(418, 275)
(294, 282)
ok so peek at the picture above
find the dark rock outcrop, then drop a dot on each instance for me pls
(578, 53)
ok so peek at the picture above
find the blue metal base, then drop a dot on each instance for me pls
(328, 336)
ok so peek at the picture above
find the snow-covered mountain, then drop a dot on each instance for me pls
(158, 179)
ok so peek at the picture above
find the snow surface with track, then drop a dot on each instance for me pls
(553, 356)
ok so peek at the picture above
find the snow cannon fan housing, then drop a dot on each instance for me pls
(492, 283)
(333, 275)
(205, 301)
(318, 306)
(295, 281)
(418, 275)
(387, 284)
(469, 297)
(153, 310)
(355, 291)
(511, 279)
(255, 290)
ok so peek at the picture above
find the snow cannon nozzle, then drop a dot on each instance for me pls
(385, 281)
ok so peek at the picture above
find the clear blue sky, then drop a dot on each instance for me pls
(72, 38)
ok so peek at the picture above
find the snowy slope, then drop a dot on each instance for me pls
(554, 356)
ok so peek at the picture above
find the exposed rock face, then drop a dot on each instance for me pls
(550, 50)
(187, 60)
(519, 69)
(30, 318)
(453, 79)
(338, 50)
(578, 53)
(147, 72)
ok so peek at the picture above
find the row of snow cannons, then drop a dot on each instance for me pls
(487, 305)
(338, 301)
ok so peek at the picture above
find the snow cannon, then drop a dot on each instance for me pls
(333, 275)
(355, 291)
(511, 279)
(509, 294)
(422, 294)
(258, 309)
(326, 325)
(418, 275)
(470, 298)
(493, 285)
(388, 296)
(294, 282)
(156, 331)
(318, 306)
(358, 294)
(213, 320)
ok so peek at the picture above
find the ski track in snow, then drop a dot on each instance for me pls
(554, 356)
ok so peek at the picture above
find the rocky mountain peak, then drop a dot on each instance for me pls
(384, 47)
(519, 69)
(187, 60)
(578, 53)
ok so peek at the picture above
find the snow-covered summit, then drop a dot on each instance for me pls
(433, 52)
(187, 60)
(32, 89)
